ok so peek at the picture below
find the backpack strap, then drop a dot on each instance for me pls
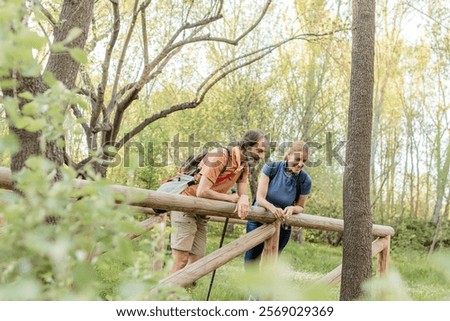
(228, 159)
(299, 186)
(273, 170)
(237, 170)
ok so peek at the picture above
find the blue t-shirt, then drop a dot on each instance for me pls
(283, 186)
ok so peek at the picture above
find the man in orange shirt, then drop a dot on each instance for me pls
(219, 171)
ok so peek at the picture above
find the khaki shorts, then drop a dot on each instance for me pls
(188, 233)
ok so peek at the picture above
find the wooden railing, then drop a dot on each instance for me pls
(145, 200)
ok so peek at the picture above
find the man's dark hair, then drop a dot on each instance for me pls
(251, 138)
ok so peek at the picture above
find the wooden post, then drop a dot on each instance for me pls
(160, 246)
(270, 252)
(383, 257)
(269, 256)
(218, 258)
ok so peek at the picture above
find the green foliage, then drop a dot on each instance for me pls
(65, 261)
(17, 43)
(325, 200)
(58, 242)
(412, 276)
(418, 234)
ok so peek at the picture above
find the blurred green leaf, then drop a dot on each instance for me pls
(72, 35)
(26, 95)
(21, 290)
(9, 143)
(30, 39)
(84, 275)
(79, 55)
(34, 125)
(58, 47)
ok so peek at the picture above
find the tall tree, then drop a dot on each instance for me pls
(356, 261)
(75, 16)
(134, 65)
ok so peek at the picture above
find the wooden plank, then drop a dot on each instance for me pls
(218, 258)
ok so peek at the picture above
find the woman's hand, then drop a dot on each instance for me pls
(288, 211)
(277, 212)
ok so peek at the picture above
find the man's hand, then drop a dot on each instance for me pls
(242, 206)
(233, 198)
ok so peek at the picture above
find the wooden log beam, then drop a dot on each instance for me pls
(201, 206)
(219, 219)
(147, 225)
(380, 245)
(230, 221)
(333, 277)
(219, 257)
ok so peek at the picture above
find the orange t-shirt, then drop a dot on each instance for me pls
(212, 167)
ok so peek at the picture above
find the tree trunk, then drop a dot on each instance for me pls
(356, 261)
(74, 14)
(442, 181)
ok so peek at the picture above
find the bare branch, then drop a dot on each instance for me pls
(206, 86)
(226, 73)
(147, 74)
(83, 163)
(144, 37)
(46, 13)
(96, 109)
(91, 95)
(68, 161)
(123, 105)
(136, 12)
(262, 51)
(153, 118)
(428, 16)
(263, 13)
(87, 130)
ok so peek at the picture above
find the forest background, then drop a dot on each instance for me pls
(186, 76)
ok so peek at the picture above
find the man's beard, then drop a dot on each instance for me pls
(252, 159)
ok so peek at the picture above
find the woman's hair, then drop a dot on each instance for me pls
(251, 138)
(297, 146)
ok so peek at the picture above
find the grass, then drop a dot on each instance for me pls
(412, 276)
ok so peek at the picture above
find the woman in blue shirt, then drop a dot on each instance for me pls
(283, 189)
